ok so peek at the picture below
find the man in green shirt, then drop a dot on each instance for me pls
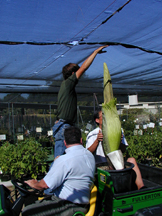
(67, 100)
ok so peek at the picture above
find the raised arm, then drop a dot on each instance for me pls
(88, 61)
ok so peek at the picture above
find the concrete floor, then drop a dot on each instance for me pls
(6, 183)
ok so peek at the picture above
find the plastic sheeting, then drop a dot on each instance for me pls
(39, 37)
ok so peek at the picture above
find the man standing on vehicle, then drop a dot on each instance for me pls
(72, 174)
(67, 100)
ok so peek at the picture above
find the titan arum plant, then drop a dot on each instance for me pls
(111, 126)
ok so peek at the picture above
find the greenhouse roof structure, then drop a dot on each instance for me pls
(39, 37)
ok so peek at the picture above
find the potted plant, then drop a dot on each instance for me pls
(27, 157)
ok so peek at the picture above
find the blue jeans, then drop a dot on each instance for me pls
(58, 134)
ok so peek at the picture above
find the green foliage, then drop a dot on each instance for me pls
(86, 115)
(43, 139)
(84, 136)
(132, 114)
(25, 158)
(6, 152)
(145, 147)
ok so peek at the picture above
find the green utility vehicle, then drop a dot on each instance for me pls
(119, 199)
(114, 196)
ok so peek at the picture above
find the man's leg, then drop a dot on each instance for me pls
(59, 147)
(52, 206)
(59, 141)
(139, 181)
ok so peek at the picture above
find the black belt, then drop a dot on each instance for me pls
(66, 122)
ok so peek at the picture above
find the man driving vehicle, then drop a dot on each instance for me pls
(72, 174)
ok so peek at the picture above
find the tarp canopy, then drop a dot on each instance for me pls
(38, 37)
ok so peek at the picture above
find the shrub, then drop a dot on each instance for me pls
(25, 158)
(147, 146)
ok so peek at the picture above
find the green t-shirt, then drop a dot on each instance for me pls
(67, 100)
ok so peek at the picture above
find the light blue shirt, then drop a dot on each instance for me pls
(72, 175)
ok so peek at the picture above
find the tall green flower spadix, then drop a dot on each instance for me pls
(111, 126)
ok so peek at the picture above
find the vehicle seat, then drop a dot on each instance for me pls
(92, 201)
(62, 207)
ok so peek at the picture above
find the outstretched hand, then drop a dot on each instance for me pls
(100, 49)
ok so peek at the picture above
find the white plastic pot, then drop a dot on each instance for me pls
(116, 158)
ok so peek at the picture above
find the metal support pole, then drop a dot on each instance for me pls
(50, 114)
(80, 116)
(95, 100)
(94, 103)
(13, 129)
(77, 116)
(9, 126)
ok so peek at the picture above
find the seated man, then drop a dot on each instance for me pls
(93, 144)
(72, 174)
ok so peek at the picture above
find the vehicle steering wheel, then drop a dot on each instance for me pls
(25, 188)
